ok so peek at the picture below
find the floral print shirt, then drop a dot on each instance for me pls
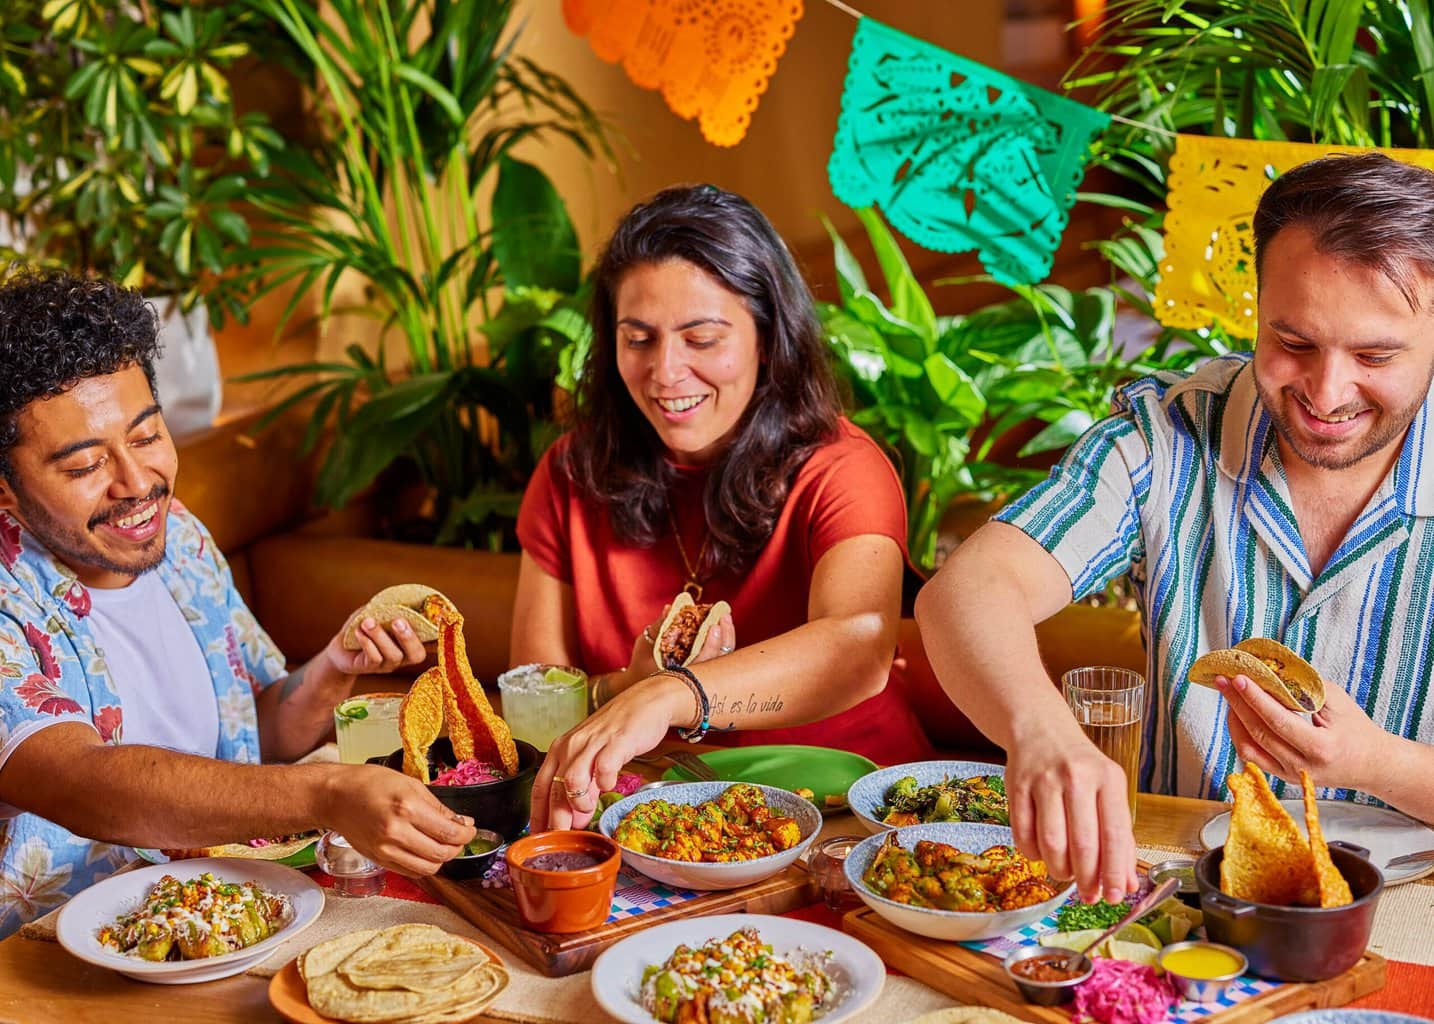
(50, 669)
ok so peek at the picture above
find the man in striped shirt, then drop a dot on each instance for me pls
(1287, 495)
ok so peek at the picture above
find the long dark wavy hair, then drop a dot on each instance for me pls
(615, 454)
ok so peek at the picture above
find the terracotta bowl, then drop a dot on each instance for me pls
(560, 900)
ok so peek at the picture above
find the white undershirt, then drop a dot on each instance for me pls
(157, 667)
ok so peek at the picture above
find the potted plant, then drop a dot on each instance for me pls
(420, 108)
(963, 401)
(121, 152)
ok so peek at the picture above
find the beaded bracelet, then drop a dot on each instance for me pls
(698, 732)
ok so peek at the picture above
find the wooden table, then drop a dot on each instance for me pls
(41, 983)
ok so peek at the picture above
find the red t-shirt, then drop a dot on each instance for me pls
(846, 489)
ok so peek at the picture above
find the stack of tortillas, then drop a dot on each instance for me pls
(404, 601)
(407, 974)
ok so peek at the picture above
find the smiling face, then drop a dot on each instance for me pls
(1342, 363)
(688, 351)
(92, 475)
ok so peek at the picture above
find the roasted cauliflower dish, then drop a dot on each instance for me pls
(737, 826)
(940, 876)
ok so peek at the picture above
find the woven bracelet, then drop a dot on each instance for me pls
(699, 731)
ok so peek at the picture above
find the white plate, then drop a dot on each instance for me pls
(868, 792)
(82, 918)
(617, 974)
(1383, 832)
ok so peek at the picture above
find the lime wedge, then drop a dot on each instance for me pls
(561, 676)
(1135, 932)
(1137, 952)
(1079, 940)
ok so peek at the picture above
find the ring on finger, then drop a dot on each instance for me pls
(576, 796)
(725, 649)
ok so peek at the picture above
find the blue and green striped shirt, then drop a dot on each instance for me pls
(1183, 489)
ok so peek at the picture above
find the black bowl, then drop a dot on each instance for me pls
(501, 805)
(474, 865)
(1294, 943)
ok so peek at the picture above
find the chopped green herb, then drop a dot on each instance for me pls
(1075, 917)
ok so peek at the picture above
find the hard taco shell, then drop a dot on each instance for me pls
(684, 607)
(405, 601)
(1276, 669)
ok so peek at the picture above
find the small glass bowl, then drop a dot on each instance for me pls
(1048, 993)
(1202, 990)
(352, 872)
(827, 865)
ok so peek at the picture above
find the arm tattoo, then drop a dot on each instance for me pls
(292, 683)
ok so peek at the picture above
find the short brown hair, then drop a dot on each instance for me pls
(1365, 208)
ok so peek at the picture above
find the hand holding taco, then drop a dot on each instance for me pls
(685, 629)
(1272, 666)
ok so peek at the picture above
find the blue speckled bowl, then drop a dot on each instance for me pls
(868, 792)
(950, 925)
(703, 877)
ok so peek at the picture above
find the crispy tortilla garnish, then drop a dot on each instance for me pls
(480, 728)
(1266, 860)
(1333, 889)
(420, 717)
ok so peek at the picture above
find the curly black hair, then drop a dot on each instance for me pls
(57, 329)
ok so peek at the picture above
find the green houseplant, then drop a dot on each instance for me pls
(120, 147)
(945, 392)
(422, 105)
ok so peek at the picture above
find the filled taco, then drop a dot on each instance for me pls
(403, 601)
(685, 629)
(1276, 669)
(276, 848)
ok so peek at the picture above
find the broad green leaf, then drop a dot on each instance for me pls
(908, 302)
(533, 238)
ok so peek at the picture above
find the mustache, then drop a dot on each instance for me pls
(1344, 410)
(124, 508)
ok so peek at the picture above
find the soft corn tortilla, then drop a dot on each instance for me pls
(420, 958)
(966, 1015)
(410, 953)
(669, 653)
(243, 851)
(1297, 684)
(404, 601)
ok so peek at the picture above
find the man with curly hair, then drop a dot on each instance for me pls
(137, 692)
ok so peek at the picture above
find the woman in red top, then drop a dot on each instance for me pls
(710, 454)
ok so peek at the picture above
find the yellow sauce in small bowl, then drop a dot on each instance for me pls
(1204, 963)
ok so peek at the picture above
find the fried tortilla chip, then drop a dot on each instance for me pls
(684, 630)
(1272, 666)
(1266, 860)
(420, 717)
(403, 601)
(1333, 889)
(491, 739)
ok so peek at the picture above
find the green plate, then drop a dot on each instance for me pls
(300, 859)
(826, 772)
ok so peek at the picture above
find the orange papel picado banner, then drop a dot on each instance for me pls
(1208, 274)
(710, 59)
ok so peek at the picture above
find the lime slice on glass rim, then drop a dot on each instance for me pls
(561, 676)
(352, 710)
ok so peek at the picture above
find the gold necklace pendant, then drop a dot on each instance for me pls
(694, 588)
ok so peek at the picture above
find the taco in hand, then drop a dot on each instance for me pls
(404, 601)
(1276, 669)
(684, 631)
(276, 848)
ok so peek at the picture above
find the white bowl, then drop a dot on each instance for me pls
(869, 792)
(949, 925)
(857, 973)
(82, 918)
(701, 876)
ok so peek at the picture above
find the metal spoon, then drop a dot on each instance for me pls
(1161, 892)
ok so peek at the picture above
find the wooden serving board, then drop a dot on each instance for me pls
(495, 912)
(979, 978)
